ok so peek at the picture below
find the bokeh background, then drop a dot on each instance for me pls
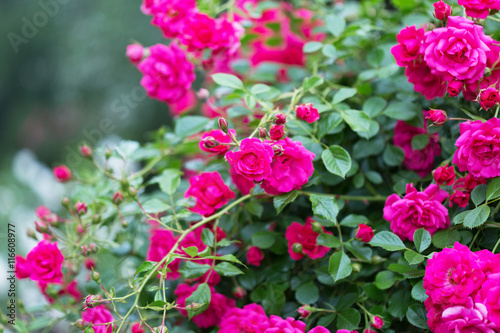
(64, 80)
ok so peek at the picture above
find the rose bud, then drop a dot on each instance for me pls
(441, 10)
(488, 98)
(438, 117)
(278, 150)
(262, 133)
(369, 331)
(203, 93)
(31, 234)
(304, 311)
(377, 322)
(81, 208)
(80, 324)
(42, 227)
(223, 124)
(96, 277)
(62, 173)
(280, 119)
(117, 198)
(276, 132)
(317, 227)
(254, 256)
(86, 151)
(135, 53)
(209, 142)
(455, 87)
(459, 198)
(297, 248)
(444, 175)
(356, 267)
(137, 328)
(307, 112)
(364, 233)
(91, 301)
(239, 292)
(84, 250)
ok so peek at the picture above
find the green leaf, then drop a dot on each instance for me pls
(360, 251)
(348, 319)
(250, 102)
(422, 239)
(189, 125)
(192, 270)
(388, 241)
(374, 177)
(169, 180)
(312, 47)
(202, 296)
(207, 237)
(353, 220)
(158, 305)
(280, 201)
(418, 292)
(407, 271)
(375, 57)
(339, 266)
(445, 238)
(328, 240)
(374, 106)
(398, 303)
(420, 141)
(324, 206)
(358, 121)
(312, 82)
(327, 123)
(145, 266)
(413, 258)
(191, 251)
(393, 156)
(384, 280)
(478, 194)
(329, 51)
(264, 239)
(402, 110)
(155, 206)
(260, 88)
(227, 269)
(228, 80)
(477, 217)
(335, 24)
(337, 160)
(493, 190)
(343, 94)
(255, 208)
(417, 316)
(307, 293)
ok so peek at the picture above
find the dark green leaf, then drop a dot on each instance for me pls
(202, 297)
(388, 241)
(337, 160)
(264, 239)
(384, 280)
(477, 217)
(358, 121)
(493, 190)
(420, 141)
(478, 194)
(340, 266)
(324, 206)
(281, 201)
(348, 319)
(227, 269)
(417, 316)
(328, 240)
(393, 156)
(307, 293)
(192, 270)
(422, 239)
(374, 106)
(353, 220)
(207, 237)
(343, 94)
(418, 292)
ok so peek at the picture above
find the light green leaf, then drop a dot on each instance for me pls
(228, 80)
(200, 296)
(477, 217)
(324, 206)
(493, 190)
(422, 239)
(388, 241)
(189, 125)
(335, 24)
(312, 47)
(337, 160)
(307, 293)
(343, 94)
(339, 266)
(227, 269)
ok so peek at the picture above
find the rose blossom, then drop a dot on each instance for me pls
(168, 74)
(479, 8)
(210, 192)
(99, 315)
(441, 10)
(489, 294)
(304, 235)
(218, 138)
(471, 90)
(254, 256)
(253, 160)
(219, 305)
(307, 112)
(43, 263)
(417, 210)
(452, 275)
(23, 267)
(62, 173)
(437, 117)
(276, 132)
(420, 161)
(458, 51)
(468, 318)
(459, 198)
(408, 50)
(444, 175)
(479, 148)
(161, 242)
(169, 15)
(364, 233)
(200, 32)
(468, 183)
(243, 184)
(454, 88)
(290, 325)
(185, 104)
(291, 168)
(488, 98)
(251, 318)
(424, 82)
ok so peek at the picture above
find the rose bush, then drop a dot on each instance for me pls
(307, 184)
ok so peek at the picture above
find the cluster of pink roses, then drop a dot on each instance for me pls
(450, 59)
(463, 290)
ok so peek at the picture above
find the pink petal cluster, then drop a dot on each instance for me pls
(479, 148)
(421, 161)
(463, 289)
(168, 74)
(43, 263)
(210, 192)
(254, 256)
(307, 112)
(169, 15)
(216, 141)
(253, 160)
(62, 173)
(408, 48)
(417, 210)
(304, 235)
(462, 188)
(489, 98)
(479, 8)
(160, 243)
(444, 175)
(98, 315)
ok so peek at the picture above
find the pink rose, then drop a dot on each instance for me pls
(219, 306)
(459, 198)
(408, 50)
(489, 294)
(288, 325)
(185, 104)
(479, 8)
(23, 268)
(229, 35)
(254, 256)
(243, 184)
(458, 51)
(135, 52)
(280, 119)
(169, 15)
(200, 32)
(421, 161)
(62, 173)
(471, 90)
(305, 238)
(468, 318)
(488, 98)
(216, 141)
(253, 160)
(99, 315)
(276, 132)
(160, 243)
(210, 193)
(307, 112)
(251, 318)
(424, 82)
(137, 328)
(417, 210)
(168, 74)
(479, 148)
(454, 87)
(468, 183)
(444, 175)
(45, 261)
(291, 168)
(437, 117)
(441, 10)
(364, 233)
(452, 275)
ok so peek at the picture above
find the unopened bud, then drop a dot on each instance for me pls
(223, 125)
(305, 311)
(96, 219)
(278, 150)
(239, 292)
(280, 119)
(438, 117)
(297, 248)
(262, 133)
(80, 324)
(84, 250)
(86, 151)
(93, 248)
(81, 208)
(107, 153)
(132, 191)
(31, 233)
(203, 93)
(65, 202)
(356, 267)
(42, 227)
(377, 322)
(317, 227)
(124, 224)
(117, 198)
(210, 142)
(194, 306)
(160, 329)
(377, 260)
(91, 301)
(96, 277)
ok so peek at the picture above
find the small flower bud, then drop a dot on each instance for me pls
(305, 311)
(278, 150)
(317, 227)
(438, 117)
(223, 125)
(80, 229)
(239, 292)
(262, 133)
(96, 219)
(377, 260)
(117, 198)
(356, 267)
(124, 224)
(107, 153)
(132, 191)
(364, 233)
(297, 248)
(91, 301)
(135, 53)
(86, 151)
(96, 277)
(31, 234)
(203, 93)
(441, 10)
(65, 202)
(276, 132)
(42, 227)
(377, 322)
(80, 324)
(84, 250)
(194, 306)
(89, 263)
(209, 142)
(280, 119)
(62, 173)
(488, 98)
(81, 208)
(93, 248)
